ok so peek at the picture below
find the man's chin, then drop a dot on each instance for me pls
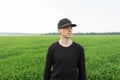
(68, 37)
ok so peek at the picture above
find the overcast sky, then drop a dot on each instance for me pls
(42, 16)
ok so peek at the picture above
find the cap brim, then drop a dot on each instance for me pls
(73, 25)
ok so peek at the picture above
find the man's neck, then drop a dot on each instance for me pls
(65, 42)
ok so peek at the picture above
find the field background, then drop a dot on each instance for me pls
(23, 57)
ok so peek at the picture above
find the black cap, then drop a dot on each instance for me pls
(65, 22)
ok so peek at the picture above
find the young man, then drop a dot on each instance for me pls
(65, 58)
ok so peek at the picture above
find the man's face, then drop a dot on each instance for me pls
(66, 32)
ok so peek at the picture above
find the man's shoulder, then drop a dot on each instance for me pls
(53, 45)
(77, 45)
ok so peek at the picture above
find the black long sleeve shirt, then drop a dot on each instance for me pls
(65, 63)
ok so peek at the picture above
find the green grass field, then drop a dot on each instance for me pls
(23, 57)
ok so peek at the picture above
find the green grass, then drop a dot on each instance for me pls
(23, 57)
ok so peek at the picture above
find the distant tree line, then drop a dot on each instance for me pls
(51, 33)
(96, 33)
(87, 33)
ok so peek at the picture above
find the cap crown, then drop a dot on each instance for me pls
(64, 22)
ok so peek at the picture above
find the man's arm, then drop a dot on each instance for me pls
(47, 70)
(81, 65)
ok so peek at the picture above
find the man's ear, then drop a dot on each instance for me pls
(59, 31)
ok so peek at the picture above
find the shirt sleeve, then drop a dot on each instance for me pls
(81, 65)
(48, 64)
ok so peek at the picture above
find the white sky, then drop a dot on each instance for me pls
(41, 16)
